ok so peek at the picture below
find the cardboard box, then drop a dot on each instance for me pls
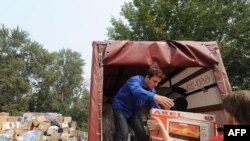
(73, 124)
(19, 131)
(66, 130)
(44, 126)
(73, 133)
(42, 119)
(4, 114)
(183, 126)
(13, 118)
(65, 125)
(27, 125)
(55, 137)
(35, 122)
(8, 125)
(67, 119)
(4, 118)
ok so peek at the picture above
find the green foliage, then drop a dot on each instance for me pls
(224, 21)
(34, 80)
(80, 110)
(69, 73)
(13, 85)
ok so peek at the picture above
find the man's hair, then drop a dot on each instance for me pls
(237, 104)
(155, 72)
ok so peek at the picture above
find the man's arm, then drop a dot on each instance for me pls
(167, 103)
(136, 88)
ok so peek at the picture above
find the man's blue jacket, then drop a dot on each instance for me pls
(132, 97)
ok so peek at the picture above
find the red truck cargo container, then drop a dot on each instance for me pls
(195, 66)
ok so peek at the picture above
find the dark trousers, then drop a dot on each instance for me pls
(122, 127)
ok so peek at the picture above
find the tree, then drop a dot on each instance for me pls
(34, 80)
(40, 73)
(61, 86)
(80, 110)
(70, 91)
(69, 73)
(13, 86)
(224, 21)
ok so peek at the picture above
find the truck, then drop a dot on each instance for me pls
(195, 66)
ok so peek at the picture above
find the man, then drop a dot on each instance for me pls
(129, 100)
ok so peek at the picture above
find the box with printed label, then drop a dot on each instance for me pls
(184, 126)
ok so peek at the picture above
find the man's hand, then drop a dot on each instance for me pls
(167, 103)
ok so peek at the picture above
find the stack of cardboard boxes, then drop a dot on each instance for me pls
(38, 127)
